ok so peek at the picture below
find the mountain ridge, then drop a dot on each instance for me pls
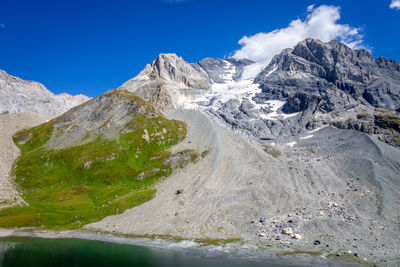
(18, 95)
(305, 87)
(302, 88)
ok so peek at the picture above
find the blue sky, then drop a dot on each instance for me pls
(90, 47)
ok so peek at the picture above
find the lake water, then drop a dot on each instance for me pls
(28, 251)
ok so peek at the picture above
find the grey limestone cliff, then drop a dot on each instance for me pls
(337, 85)
(312, 65)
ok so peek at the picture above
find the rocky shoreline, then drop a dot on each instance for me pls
(230, 251)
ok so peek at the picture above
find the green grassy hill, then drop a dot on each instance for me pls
(96, 160)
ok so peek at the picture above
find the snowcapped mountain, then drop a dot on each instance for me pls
(208, 85)
(303, 88)
(17, 95)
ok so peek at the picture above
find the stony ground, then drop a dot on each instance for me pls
(9, 125)
(335, 192)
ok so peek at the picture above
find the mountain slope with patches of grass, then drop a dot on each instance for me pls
(96, 160)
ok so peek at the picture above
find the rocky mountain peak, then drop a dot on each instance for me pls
(173, 68)
(166, 64)
(330, 83)
(312, 64)
(331, 53)
(17, 95)
(164, 81)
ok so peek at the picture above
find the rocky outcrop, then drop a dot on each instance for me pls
(17, 95)
(168, 79)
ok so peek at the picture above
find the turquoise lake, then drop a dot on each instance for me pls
(28, 251)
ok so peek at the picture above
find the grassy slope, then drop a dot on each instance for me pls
(70, 187)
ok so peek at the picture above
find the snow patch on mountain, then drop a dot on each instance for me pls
(227, 88)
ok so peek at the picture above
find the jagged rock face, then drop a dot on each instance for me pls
(17, 95)
(331, 84)
(174, 68)
(312, 65)
(164, 81)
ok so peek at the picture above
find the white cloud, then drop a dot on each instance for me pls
(320, 23)
(395, 4)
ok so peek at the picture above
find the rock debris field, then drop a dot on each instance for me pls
(335, 193)
(9, 125)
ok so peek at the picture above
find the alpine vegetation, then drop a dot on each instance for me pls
(97, 159)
